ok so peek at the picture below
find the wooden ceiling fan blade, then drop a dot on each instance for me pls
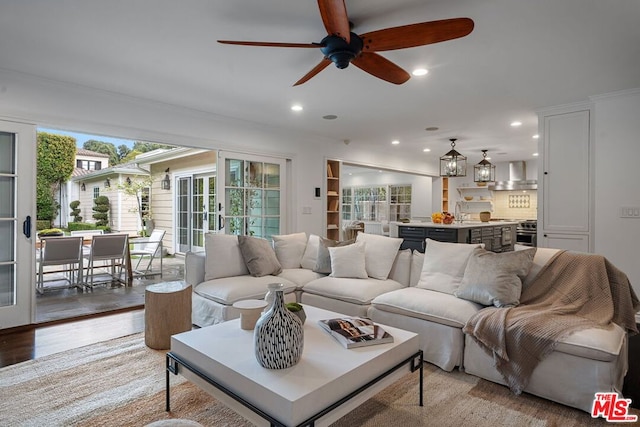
(270, 44)
(381, 67)
(335, 18)
(321, 66)
(416, 34)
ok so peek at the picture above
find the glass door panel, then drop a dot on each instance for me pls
(17, 221)
(253, 195)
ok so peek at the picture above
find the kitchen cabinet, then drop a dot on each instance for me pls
(566, 177)
(496, 238)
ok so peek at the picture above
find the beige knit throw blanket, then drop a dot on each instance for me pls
(573, 291)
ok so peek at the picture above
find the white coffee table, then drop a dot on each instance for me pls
(327, 383)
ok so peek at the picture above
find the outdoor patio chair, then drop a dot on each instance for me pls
(86, 235)
(107, 251)
(64, 251)
(147, 248)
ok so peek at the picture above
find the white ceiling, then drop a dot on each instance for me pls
(522, 55)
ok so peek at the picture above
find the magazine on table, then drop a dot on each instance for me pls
(354, 332)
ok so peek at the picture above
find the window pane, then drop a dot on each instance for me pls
(235, 173)
(272, 175)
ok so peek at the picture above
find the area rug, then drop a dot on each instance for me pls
(121, 383)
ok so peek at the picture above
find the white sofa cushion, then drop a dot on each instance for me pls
(290, 249)
(380, 253)
(401, 269)
(300, 276)
(495, 278)
(223, 257)
(228, 290)
(540, 259)
(348, 261)
(444, 265)
(357, 291)
(594, 343)
(323, 258)
(310, 252)
(429, 305)
(417, 261)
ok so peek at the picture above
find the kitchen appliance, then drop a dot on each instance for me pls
(527, 233)
(517, 179)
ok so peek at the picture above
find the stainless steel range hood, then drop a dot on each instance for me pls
(517, 179)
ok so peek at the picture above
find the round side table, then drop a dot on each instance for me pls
(250, 311)
(167, 311)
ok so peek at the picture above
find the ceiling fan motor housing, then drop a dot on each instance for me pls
(339, 51)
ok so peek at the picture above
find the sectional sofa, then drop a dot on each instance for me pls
(435, 294)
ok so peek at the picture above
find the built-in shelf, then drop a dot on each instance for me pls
(333, 200)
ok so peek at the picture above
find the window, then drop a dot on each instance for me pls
(96, 192)
(253, 199)
(145, 202)
(379, 203)
(91, 165)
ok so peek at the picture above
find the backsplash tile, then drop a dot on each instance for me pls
(513, 205)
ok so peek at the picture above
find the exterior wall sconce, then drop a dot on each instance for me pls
(484, 171)
(165, 184)
(453, 163)
(83, 187)
(107, 183)
(128, 180)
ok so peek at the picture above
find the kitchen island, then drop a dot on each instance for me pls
(497, 236)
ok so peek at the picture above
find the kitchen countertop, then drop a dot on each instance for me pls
(456, 224)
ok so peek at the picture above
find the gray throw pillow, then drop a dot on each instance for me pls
(495, 278)
(323, 261)
(259, 256)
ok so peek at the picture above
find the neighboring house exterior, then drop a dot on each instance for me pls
(123, 215)
(181, 194)
(86, 162)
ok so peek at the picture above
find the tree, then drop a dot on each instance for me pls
(54, 165)
(135, 189)
(123, 152)
(101, 209)
(144, 147)
(105, 148)
(75, 212)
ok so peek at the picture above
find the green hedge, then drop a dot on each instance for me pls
(42, 224)
(75, 226)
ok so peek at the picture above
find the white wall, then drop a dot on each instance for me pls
(617, 180)
(77, 108)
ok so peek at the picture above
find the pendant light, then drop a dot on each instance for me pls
(484, 171)
(453, 163)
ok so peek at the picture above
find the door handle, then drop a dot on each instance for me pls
(220, 222)
(26, 227)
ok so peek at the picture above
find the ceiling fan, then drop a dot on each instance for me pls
(343, 47)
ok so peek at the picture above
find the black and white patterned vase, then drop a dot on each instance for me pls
(278, 336)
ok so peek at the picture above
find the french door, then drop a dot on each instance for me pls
(196, 212)
(253, 201)
(17, 223)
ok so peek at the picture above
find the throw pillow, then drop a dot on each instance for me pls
(259, 256)
(417, 261)
(223, 257)
(310, 252)
(379, 252)
(444, 265)
(495, 278)
(290, 249)
(323, 261)
(401, 270)
(348, 261)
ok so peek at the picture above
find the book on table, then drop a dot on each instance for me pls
(354, 332)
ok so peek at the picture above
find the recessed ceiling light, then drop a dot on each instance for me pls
(296, 107)
(420, 72)
(330, 117)
(535, 154)
(432, 128)
(426, 150)
(395, 142)
(516, 124)
(536, 136)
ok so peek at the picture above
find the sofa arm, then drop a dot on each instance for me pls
(194, 268)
